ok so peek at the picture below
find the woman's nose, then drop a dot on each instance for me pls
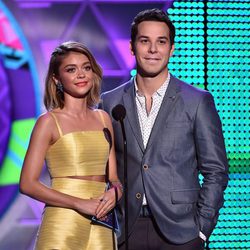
(81, 74)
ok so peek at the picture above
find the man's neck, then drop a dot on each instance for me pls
(149, 85)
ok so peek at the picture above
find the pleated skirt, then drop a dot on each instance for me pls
(66, 229)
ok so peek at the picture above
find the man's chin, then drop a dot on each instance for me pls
(149, 74)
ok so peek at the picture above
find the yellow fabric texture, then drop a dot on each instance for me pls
(75, 154)
(78, 154)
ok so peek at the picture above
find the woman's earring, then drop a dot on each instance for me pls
(59, 87)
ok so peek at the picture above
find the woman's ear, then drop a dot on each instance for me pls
(55, 79)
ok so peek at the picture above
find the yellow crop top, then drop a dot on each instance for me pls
(78, 153)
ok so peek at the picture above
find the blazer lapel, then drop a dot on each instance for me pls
(166, 107)
(130, 105)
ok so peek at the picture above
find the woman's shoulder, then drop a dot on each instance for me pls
(104, 115)
(102, 112)
(43, 129)
(46, 119)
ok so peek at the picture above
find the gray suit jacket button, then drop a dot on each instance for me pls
(138, 196)
(145, 167)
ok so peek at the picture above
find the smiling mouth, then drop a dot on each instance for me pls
(152, 60)
(80, 84)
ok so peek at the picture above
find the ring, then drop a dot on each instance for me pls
(104, 201)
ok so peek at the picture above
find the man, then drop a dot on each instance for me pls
(173, 133)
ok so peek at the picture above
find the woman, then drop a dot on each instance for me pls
(77, 142)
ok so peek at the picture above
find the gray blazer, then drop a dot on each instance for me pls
(186, 140)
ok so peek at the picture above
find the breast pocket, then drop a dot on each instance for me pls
(176, 135)
(178, 124)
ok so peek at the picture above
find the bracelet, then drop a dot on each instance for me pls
(117, 184)
(116, 195)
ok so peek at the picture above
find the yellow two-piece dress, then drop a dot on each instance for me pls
(75, 154)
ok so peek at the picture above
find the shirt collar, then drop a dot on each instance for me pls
(161, 91)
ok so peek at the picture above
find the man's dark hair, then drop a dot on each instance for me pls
(152, 15)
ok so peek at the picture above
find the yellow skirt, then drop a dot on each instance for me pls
(65, 229)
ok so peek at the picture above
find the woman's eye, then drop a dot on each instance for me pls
(88, 68)
(70, 70)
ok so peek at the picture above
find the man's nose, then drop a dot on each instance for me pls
(153, 48)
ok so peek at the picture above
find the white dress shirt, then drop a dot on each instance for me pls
(147, 120)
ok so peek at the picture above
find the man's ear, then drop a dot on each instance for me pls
(172, 50)
(131, 48)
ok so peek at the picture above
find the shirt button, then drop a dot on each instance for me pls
(138, 196)
(145, 167)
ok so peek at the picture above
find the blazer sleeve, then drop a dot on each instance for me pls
(212, 163)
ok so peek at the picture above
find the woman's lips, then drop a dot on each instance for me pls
(81, 84)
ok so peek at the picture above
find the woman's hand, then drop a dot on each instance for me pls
(107, 203)
(88, 206)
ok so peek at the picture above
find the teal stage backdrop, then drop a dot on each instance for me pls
(213, 49)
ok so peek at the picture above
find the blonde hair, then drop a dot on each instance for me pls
(53, 98)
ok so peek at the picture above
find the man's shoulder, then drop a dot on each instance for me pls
(188, 89)
(119, 90)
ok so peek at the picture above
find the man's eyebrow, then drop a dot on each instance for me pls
(160, 37)
(142, 36)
